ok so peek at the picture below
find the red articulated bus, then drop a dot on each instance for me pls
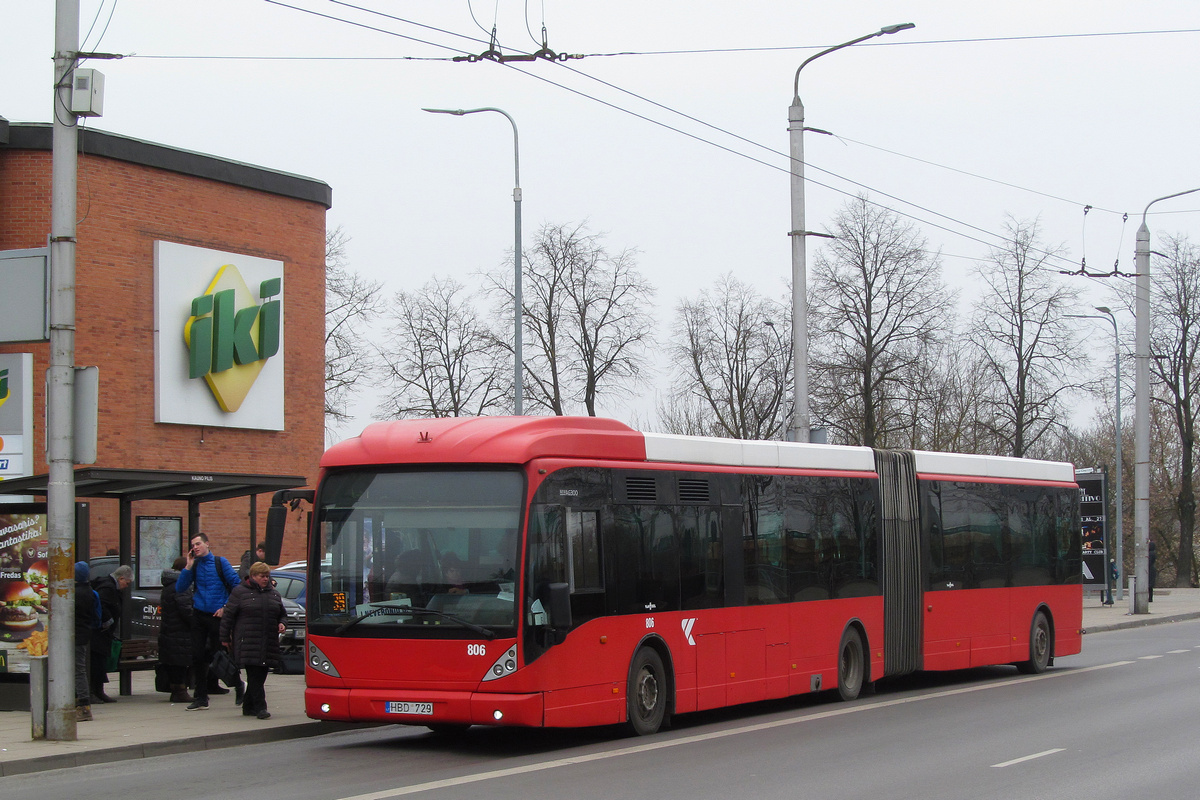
(571, 571)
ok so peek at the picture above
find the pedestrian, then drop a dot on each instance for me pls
(87, 621)
(175, 633)
(251, 625)
(111, 590)
(213, 579)
(248, 558)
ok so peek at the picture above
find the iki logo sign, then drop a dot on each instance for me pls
(4, 393)
(230, 335)
(220, 337)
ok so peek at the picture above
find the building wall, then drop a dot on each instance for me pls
(122, 209)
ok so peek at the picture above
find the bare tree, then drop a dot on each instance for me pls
(1175, 345)
(441, 360)
(1032, 354)
(587, 316)
(352, 303)
(731, 365)
(877, 305)
(943, 405)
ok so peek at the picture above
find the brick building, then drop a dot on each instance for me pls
(155, 219)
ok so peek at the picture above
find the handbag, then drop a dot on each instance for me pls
(114, 656)
(223, 667)
(162, 682)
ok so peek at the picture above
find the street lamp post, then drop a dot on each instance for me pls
(1141, 414)
(800, 419)
(1119, 549)
(518, 383)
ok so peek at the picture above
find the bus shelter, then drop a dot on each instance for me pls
(128, 486)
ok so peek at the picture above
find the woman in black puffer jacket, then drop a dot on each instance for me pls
(175, 633)
(251, 623)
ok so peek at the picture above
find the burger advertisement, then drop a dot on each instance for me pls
(24, 584)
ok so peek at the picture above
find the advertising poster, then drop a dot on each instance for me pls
(1093, 490)
(24, 585)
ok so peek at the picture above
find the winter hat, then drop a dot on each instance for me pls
(81, 571)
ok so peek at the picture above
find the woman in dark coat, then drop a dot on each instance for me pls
(251, 623)
(175, 634)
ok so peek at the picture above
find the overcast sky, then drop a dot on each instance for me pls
(1025, 93)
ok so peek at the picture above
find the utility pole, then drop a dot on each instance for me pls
(60, 382)
(1141, 414)
(801, 424)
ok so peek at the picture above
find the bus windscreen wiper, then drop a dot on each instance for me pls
(382, 609)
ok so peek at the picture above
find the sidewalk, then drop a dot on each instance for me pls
(145, 724)
(1170, 605)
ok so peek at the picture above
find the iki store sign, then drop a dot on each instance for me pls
(218, 338)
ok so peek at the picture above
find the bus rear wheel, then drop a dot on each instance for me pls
(852, 665)
(646, 694)
(1039, 646)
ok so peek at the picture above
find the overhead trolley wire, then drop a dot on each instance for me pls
(730, 150)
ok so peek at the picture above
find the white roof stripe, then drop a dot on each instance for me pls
(744, 453)
(790, 455)
(992, 467)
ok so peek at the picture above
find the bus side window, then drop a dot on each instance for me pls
(583, 541)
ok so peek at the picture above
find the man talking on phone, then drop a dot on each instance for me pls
(213, 578)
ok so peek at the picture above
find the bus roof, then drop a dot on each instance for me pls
(487, 440)
(518, 440)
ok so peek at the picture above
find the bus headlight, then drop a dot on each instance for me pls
(320, 662)
(505, 665)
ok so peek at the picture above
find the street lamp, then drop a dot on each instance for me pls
(800, 421)
(518, 389)
(1141, 414)
(1119, 554)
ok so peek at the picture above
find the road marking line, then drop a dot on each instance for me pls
(1029, 758)
(462, 780)
(1179, 651)
(1148, 658)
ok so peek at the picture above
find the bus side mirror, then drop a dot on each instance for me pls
(552, 610)
(276, 520)
(558, 603)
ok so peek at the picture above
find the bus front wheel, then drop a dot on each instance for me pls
(1039, 646)
(852, 665)
(646, 693)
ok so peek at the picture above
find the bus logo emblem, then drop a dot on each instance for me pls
(687, 630)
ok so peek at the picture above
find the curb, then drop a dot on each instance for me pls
(215, 741)
(1141, 621)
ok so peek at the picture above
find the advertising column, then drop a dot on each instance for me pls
(1093, 493)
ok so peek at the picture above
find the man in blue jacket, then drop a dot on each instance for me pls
(214, 579)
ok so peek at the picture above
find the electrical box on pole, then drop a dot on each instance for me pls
(87, 93)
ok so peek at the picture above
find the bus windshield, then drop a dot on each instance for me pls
(428, 554)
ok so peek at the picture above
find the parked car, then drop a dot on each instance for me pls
(292, 640)
(294, 584)
(145, 614)
(293, 587)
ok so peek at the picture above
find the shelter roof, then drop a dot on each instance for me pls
(136, 484)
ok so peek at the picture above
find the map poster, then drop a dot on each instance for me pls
(24, 584)
(159, 543)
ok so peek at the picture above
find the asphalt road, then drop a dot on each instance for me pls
(1117, 721)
